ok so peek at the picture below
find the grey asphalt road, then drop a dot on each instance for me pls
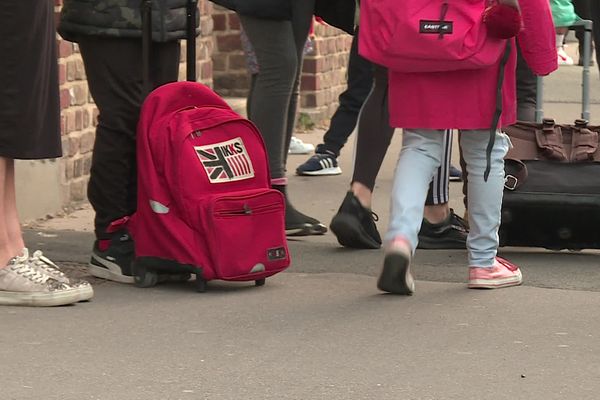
(321, 330)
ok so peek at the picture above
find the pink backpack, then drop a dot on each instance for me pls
(205, 205)
(427, 35)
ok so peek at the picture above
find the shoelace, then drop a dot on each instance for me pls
(39, 260)
(27, 272)
(510, 266)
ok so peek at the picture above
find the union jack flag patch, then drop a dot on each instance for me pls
(226, 161)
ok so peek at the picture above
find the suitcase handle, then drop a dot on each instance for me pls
(146, 13)
(585, 81)
(192, 9)
(146, 44)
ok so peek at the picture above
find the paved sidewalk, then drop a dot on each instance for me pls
(321, 330)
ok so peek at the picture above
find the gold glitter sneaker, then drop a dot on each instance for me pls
(23, 285)
(48, 267)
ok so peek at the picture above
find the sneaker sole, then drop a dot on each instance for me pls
(85, 293)
(321, 172)
(350, 233)
(104, 270)
(455, 179)
(61, 298)
(396, 277)
(496, 283)
(301, 152)
(307, 230)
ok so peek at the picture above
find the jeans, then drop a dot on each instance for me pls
(375, 134)
(421, 155)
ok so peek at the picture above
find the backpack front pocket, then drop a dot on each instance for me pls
(245, 234)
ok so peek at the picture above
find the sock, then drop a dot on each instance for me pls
(560, 38)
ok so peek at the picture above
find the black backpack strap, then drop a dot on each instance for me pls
(498, 112)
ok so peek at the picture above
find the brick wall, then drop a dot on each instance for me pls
(229, 62)
(323, 75)
(78, 121)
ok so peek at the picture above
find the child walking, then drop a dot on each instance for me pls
(426, 103)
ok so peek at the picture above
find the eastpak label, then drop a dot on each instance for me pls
(435, 27)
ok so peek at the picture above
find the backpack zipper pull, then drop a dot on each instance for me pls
(443, 13)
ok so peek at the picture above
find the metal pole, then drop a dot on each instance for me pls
(585, 82)
(539, 100)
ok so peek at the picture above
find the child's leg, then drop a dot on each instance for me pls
(419, 159)
(485, 198)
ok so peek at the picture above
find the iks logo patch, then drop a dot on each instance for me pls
(226, 161)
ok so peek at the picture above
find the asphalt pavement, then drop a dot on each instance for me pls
(320, 330)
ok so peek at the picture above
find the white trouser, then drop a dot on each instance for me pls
(421, 155)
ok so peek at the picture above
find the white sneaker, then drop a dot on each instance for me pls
(297, 146)
(46, 266)
(23, 285)
(563, 57)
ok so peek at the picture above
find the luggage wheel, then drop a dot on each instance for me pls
(182, 277)
(260, 282)
(146, 279)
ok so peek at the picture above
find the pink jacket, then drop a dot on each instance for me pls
(467, 99)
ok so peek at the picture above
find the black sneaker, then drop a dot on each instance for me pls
(354, 225)
(449, 234)
(455, 174)
(319, 164)
(113, 262)
(298, 224)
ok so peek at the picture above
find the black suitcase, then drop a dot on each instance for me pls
(552, 185)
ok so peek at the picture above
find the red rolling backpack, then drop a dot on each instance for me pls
(205, 205)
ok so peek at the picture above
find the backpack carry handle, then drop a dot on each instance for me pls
(146, 14)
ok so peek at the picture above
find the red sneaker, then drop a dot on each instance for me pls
(502, 274)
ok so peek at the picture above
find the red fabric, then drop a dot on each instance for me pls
(467, 99)
(204, 196)
(430, 36)
(503, 21)
(104, 244)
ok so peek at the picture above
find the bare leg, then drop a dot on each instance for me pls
(436, 213)
(11, 240)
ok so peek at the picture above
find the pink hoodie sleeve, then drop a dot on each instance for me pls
(538, 38)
